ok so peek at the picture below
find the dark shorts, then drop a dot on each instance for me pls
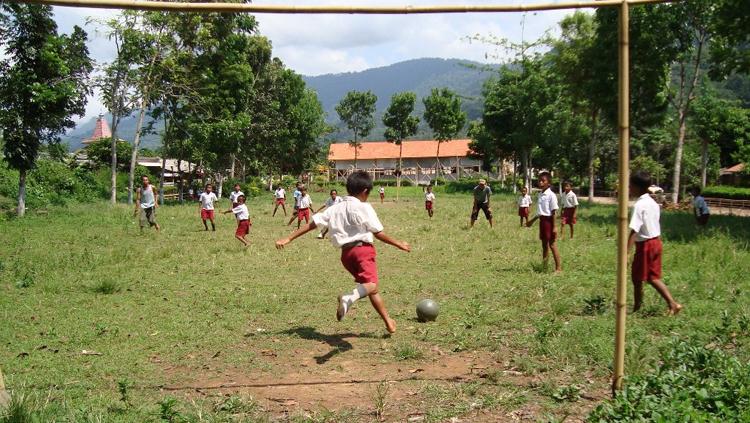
(568, 216)
(647, 260)
(382, 195)
(148, 216)
(547, 228)
(523, 211)
(702, 219)
(360, 262)
(207, 214)
(243, 228)
(303, 214)
(485, 207)
(428, 205)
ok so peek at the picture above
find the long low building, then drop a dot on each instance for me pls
(419, 161)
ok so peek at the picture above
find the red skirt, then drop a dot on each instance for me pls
(428, 205)
(360, 262)
(568, 216)
(523, 211)
(647, 260)
(243, 228)
(547, 228)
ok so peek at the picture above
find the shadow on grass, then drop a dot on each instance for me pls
(338, 341)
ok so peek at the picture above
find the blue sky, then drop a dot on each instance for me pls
(320, 44)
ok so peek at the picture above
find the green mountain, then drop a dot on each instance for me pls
(418, 75)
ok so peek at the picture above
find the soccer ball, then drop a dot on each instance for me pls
(427, 310)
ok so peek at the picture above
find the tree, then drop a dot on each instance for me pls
(100, 152)
(400, 125)
(729, 48)
(356, 110)
(444, 116)
(43, 82)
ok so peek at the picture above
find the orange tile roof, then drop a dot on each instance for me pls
(386, 150)
(734, 169)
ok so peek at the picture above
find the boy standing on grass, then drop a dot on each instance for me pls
(429, 201)
(207, 200)
(145, 200)
(546, 207)
(242, 214)
(334, 199)
(279, 197)
(296, 195)
(702, 213)
(304, 202)
(354, 225)
(382, 194)
(570, 208)
(645, 233)
(234, 195)
(482, 193)
(524, 202)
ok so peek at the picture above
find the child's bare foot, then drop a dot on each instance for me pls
(675, 310)
(390, 325)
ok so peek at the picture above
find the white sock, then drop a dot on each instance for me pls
(357, 293)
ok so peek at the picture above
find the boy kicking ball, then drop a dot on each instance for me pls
(353, 225)
(242, 214)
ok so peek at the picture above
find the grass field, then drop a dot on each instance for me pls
(186, 325)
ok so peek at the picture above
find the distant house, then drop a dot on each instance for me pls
(172, 171)
(101, 130)
(733, 175)
(380, 159)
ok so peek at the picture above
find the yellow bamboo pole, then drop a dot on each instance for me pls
(367, 10)
(623, 194)
(4, 395)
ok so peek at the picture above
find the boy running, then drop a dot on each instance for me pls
(524, 202)
(702, 213)
(429, 201)
(334, 199)
(482, 193)
(207, 200)
(546, 207)
(304, 202)
(645, 233)
(279, 198)
(242, 214)
(354, 225)
(569, 208)
(296, 195)
(145, 201)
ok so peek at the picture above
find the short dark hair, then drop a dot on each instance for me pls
(567, 183)
(545, 175)
(332, 191)
(209, 185)
(358, 182)
(236, 185)
(241, 198)
(641, 180)
(695, 190)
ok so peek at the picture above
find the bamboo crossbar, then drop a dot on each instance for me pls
(150, 5)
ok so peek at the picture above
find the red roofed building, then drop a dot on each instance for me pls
(380, 158)
(101, 130)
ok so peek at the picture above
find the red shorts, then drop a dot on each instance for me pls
(382, 196)
(568, 216)
(428, 205)
(303, 214)
(280, 200)
(523, 211)
(243, 227)
(360, 262)
(647, 261)
(207, 214)
(547, 228)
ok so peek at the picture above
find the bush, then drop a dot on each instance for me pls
(723, 191)
(694, 383)
(468, 184)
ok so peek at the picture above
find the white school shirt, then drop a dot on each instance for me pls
(546, 204)
(241, 212)
(429, 196)
(207, 201)
(330, 201)
(645, 219)
(349, 221)
(382, 190)
(700, 206)
(233, 196)
(304, 201)
(279, 193)
(569, 199)
(524, 201)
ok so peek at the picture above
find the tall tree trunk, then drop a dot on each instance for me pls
(113, 167)
(678, 156)
(400, 164)
(704, 164)
(180, 189)
(165, 141)
(136, 145)
(526, 162)
(592, 154)
(231, 168)
(220, 181)
(21, 209)
(515, 173)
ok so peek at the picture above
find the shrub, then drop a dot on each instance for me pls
(694, 383)
(468, 184)
(723, 191)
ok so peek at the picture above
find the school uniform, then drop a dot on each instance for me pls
(429, 198)
(303, 207)
(648, 247)
(351, 224)
(524, 202)
(546, 206)
(280, 196)
(702, 212)
(207, 205)
(331, 201)
(569, 204)
(233, 196)
(243, 219)
(382, 193)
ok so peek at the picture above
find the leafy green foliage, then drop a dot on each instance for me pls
(355, 111)
(721, 191)
(693, 383)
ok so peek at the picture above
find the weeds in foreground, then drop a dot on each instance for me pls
(106, 287)
(380, 399)
(405, 352)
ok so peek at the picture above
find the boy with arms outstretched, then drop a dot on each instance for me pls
(353, 225)
(546, 207)
(242, 214)
(569, 215)
(645, 234)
